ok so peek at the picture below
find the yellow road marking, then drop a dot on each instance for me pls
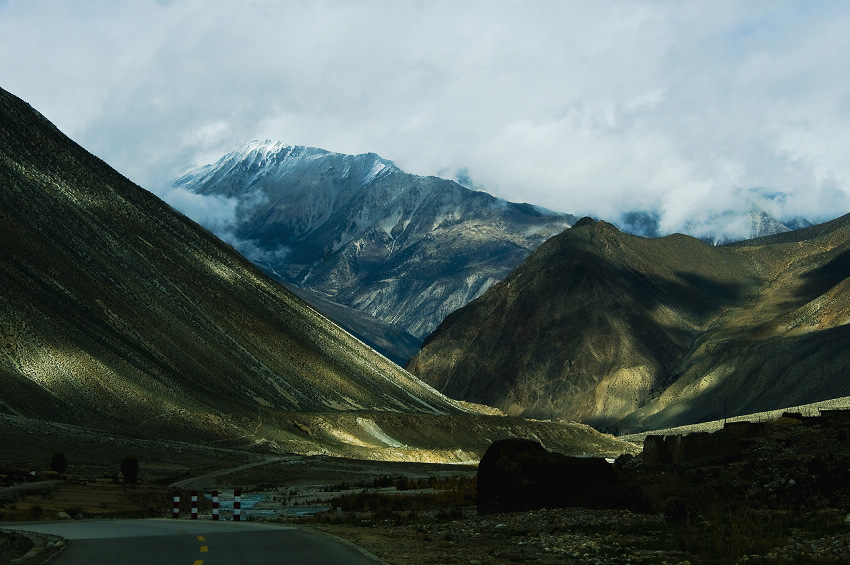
(204, 549)
(201, 538)
(199, 562)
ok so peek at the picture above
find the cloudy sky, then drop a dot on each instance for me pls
(587, 107)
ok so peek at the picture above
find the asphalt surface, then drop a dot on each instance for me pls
(193, 542)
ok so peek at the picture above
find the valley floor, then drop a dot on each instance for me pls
(783, 498)
(574, 535)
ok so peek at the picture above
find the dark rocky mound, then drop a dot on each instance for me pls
(517, 475)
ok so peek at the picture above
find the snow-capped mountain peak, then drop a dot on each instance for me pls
(360, 231)
(266, 161)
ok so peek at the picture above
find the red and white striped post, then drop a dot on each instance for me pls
(194, 505)
(175, 505)
(237, 504)
(215, 505)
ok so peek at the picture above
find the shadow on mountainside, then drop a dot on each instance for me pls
(820, 280)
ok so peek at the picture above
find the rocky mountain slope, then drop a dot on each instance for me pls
(391, 341)
(112, 301)
(122, 320)
(633, 333)
(358, 231)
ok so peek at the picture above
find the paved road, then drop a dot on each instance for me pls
(193, 542)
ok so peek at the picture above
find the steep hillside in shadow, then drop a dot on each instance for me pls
(389, 340)
(628, 332)
(116, 309)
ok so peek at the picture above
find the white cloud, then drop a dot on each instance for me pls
(222, 216)
(217, 213)
(582, 107)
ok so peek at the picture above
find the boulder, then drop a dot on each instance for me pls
(517, 475)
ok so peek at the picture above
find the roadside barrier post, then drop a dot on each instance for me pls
(215, 505)
(175, 505)
(237, 504)
(194, 505)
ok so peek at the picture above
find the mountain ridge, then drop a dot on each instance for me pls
(95, 268)
(124, 322)
(632, 333)
(359, 231)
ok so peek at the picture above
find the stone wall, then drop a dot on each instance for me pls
(693, 447)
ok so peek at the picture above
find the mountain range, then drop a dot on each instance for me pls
(633, 333)
(749, 221)
(119, 314)
(386, 254)
(121, 317)
(358, 231)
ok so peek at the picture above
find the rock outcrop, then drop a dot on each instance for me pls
(517, 475)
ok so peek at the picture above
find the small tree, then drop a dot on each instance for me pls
(130, 469)
(59, 463)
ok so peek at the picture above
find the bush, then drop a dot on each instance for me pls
(59, 463)
(463, 494)
(680, 511)
(725, 536)
(130, 470)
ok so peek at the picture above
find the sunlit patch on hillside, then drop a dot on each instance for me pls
(219, 269)
(48, 366)
(370, 427)
(346, 437)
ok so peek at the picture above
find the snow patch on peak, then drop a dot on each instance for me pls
(378, 169)
(366, 167)
(261, 154)
(265, 145)
(256, 152)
